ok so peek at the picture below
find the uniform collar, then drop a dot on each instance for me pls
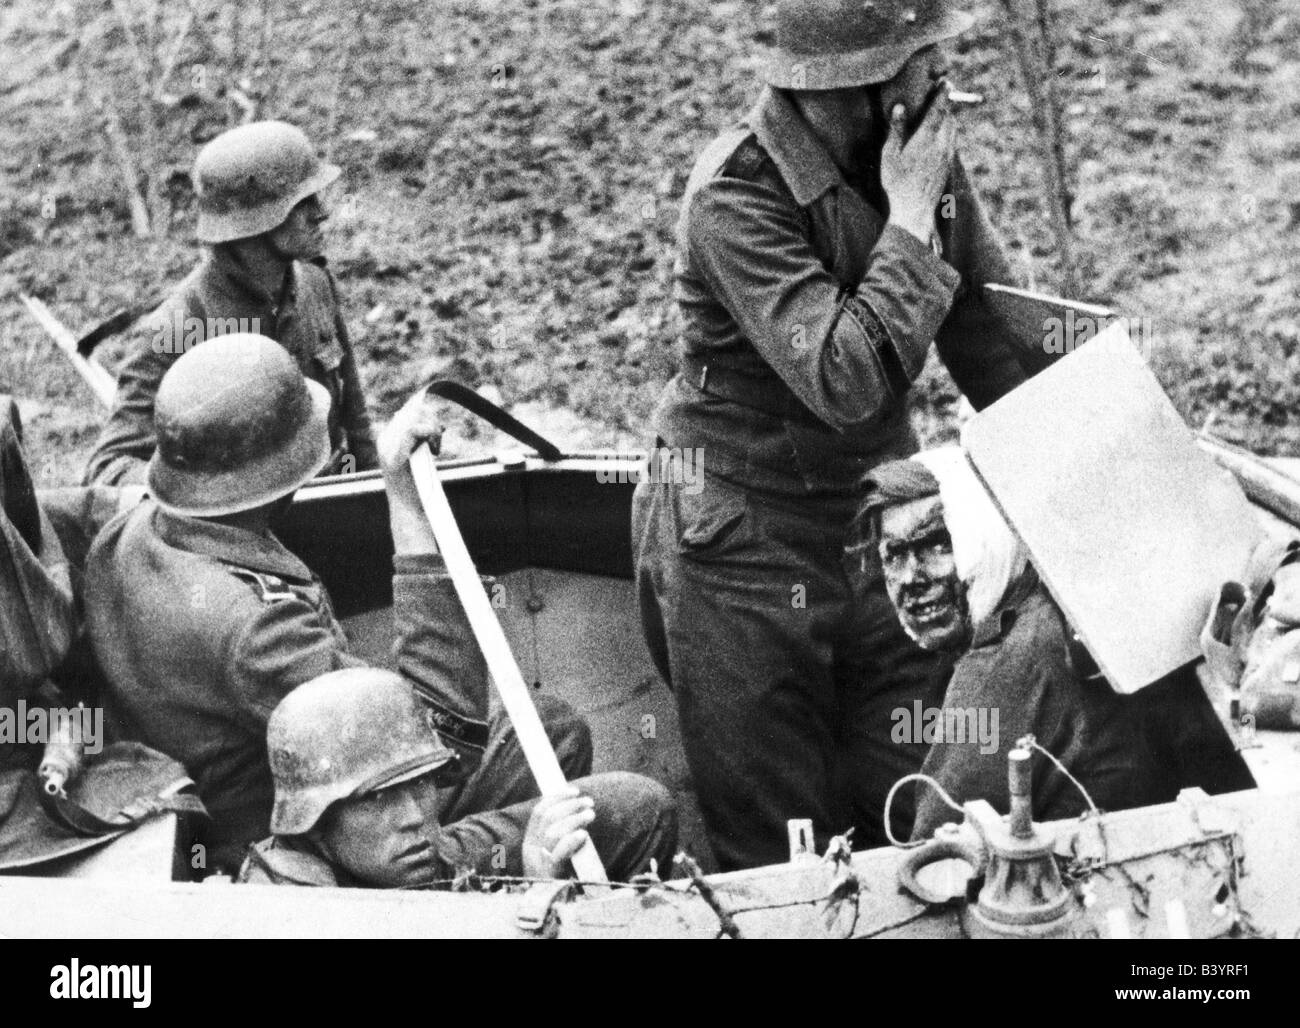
(226, 273)
(230, 545)
(799, 155)
(999, 623)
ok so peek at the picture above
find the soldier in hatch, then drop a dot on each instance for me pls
(357, 772)
(963, 586)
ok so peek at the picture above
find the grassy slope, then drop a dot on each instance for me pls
(513, 172)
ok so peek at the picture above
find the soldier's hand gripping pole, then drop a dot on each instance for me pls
(487, 630)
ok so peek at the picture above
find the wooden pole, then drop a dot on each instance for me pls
(1272, 488)
(501, 663)
(91, 371)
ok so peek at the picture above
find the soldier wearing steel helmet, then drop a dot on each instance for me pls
(260, 211)
(359, 801)
(824, 244)
(202, 621)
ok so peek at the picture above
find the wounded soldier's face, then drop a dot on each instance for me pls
(921, 575)
(383, 837)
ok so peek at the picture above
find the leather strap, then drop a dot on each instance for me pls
(466, 397)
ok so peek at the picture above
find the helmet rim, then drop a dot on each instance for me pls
(347, 733)
(216, 228)
(863, 66)
(274, 474)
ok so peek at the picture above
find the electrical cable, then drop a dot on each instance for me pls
(1029, 742)
(889, 800)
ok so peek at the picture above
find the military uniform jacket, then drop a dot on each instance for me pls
(806, 316)
(201, 629)
(290, 861)
(1019, 666)
(220, 297)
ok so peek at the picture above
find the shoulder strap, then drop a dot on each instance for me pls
(746, 161)
(269, 588)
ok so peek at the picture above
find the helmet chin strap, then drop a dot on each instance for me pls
(879, 119)
(285, 258)
(279, 263)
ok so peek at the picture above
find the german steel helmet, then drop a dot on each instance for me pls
(238, 426)
(343, 734)
(839, 44)
(248, 179)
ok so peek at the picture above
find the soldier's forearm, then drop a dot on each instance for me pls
(114, 468)
(489, 843)
(438, 655)
(879, 341)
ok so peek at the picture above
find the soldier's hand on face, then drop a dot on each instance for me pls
(915, 173)
(556, 831)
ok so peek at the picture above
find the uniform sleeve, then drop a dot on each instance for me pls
(37, 612)
(286, 644)
(39, 620)
(289, 642)
(127, 441)
(355, 414)
(438, 654)
(488, 843)
(846, 353)
(972, 342)
(1024, 679)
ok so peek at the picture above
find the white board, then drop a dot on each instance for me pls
(1130, 525)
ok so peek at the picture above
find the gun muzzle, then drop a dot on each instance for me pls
(62, 757)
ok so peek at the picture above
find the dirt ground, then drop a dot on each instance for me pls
(513, 172)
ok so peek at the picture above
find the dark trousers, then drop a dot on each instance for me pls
(1186, 744)
(485, 817)
(786, 662)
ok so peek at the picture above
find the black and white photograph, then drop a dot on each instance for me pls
(650, 470)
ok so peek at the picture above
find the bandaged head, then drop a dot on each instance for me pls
(948, 556)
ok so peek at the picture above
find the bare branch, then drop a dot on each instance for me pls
(1044, 103)
(137, 57)
(126, 166)
(350, 36)
(173, 55)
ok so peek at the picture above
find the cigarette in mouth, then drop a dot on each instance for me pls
(959, 99)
